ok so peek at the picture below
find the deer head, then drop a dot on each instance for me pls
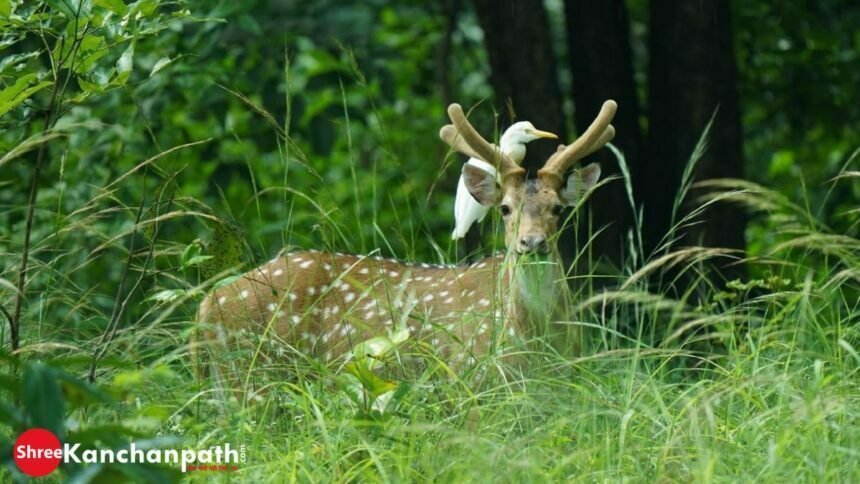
(531, 208)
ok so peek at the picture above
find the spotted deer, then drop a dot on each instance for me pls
(317, 304)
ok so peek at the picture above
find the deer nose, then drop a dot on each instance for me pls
(533, 243)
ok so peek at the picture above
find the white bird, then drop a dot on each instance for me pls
(467, 210)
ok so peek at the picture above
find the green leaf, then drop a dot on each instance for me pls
(11, 416)
(115, 6)
(159, 65)
(167, 295)
(124, 66)
(79, 393)
(89, 87)
(196, 261)
(92, 48)
(226, 248)
(19, 92)
(5, 8)
(371, 352)
(42, 398)
(72, 8)
(370, 381)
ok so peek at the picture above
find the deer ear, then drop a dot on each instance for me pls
(579, 183)
(481, 184)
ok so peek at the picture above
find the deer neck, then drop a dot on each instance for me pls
(536, 287)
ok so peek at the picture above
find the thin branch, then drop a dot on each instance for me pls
(119, 307)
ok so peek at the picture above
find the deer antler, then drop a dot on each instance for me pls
(598, 134)
(462, 137)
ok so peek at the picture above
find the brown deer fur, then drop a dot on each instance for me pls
(321, 304)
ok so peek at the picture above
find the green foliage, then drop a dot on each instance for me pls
(185, 141)
(54, 399)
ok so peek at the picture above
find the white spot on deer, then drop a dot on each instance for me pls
(306, 264)
(425, 265)
(298, 259)
(511, 332)
(363, 270)
(309, 336)
(434, 342)
(451, 314)
(443, 293)
(345, 265)
(292, 296)
(427, 327)
(312, 290)
(335, 309)
(461, 275)
(278, 272)
(326, 337)
(244, 294)
(428, 298)
(295, 319)
(471, 293)
(327, 266)
(274, 260)
(449, 300)
(280, 314)
(393, 274)
(484, 302)
(326, 312)
(315, 311)
(222, 300)
(348, 297)
(482, 264)
(271, 307)
(369, 315)
(369, 304)
(483, 328)
(264, 271)
(345, 330)
(344, 287)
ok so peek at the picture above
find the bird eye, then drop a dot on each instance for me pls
(556, 210)
(505, 209)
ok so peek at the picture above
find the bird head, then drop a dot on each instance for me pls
(522, 133)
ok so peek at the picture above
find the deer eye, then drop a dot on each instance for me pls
(557, 209)
(505, 209)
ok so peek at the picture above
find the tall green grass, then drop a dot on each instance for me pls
(752, 380)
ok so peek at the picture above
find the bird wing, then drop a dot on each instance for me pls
(467, 210)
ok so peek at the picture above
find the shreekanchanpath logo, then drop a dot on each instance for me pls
(38, 452)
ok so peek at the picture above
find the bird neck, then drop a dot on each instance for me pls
(514, 149)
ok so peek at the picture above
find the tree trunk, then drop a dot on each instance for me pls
(600, 60)
(692, 73)
(523, 68)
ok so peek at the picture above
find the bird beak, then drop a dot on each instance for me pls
(542, 134)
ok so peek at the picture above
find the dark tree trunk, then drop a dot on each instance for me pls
(692, 72)
(523, 68)
(600, 60)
